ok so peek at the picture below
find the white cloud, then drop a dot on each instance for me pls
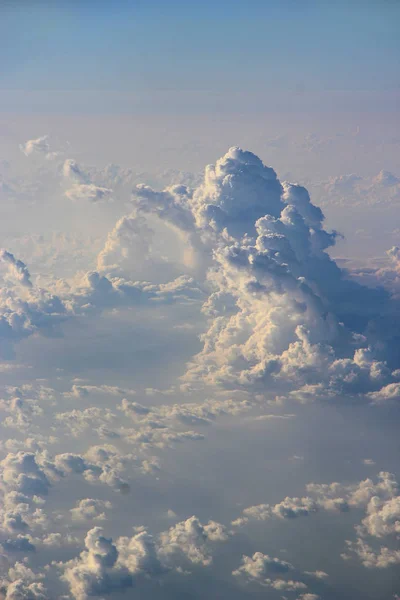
(192, 539)
(39, 145)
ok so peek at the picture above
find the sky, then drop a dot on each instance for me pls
(199, 300)
(261, 47)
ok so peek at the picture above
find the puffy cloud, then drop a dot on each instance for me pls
(357, 495)
(372, 559)
(39, 145)
(22, 473)
(280, 309)
(21, 584)
(139, 554)
(379, 500)
(100, 463)
(104, 567)
(24, 308)
(289, 508)
(236, 192)
(17, 269)
(192, 539)
(98, 292)
(170, 205)
(383, 516)
(21, 412)
(260, 565)
(95, 572)
(129, 242)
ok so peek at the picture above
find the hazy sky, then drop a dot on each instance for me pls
(199, 300)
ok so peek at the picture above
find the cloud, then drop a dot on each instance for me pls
(96, 572)
(372, 559)
(236, 192)
(289, 508)
(104, 567)
(88, 192)
(17, 269)
(39, 145)
(379, 500)
(72, 170)
(24, 308)
(260, 565)
(22, 473)
(244, 260)
(192, 539)
(128, 242)
(280, 309)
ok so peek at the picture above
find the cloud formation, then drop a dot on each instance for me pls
(280, 308)
(160, 366)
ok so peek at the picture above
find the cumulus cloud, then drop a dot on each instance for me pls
(379, 500)
(17, 269)
(280, 308)
(382, 558)
(289, 508)
(260, 565)
(39, 145)
(96, 572)
(192, 539)
(24, 308)
(105, 567)
(20, 585)
(128, 242)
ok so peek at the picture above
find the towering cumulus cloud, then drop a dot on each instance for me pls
(283, 317)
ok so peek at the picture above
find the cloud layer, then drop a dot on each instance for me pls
(157, 356)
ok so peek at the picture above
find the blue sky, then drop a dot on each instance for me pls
(219, 46)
